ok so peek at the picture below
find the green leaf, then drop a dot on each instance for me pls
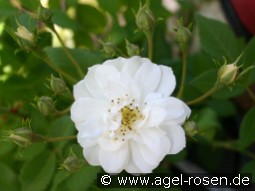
(226, 92)
(223, 108)
(248, 56)
(205, 81)
(249, 168)
(247, 129)
(87, 15)
(37, 173)
(84, 58)
(249, 60)
(60, 18)
(59, 177)
(217, 39)
(8, 179)
(207, 123)
(30, 152)
(6, 9)
(81, 180)
(6, 148)
(62, 126)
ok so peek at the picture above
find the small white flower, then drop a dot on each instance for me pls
(22, 32)
(125, 117)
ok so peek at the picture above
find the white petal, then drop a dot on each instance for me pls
(80, 90)
(110, 144)
(86, 142)
(148, 149)
(109, 81)
(118, 63)
(91, 83)
(92, 128)
(177, 111)
(133, 64)
(153, 96)
(115, 161)
(148, 77)
(138, 159)
(84, 108)
(132, 168)
(156, 141)
(115, 84)
(177, 138)
(154, 116)
(92, 155)
(168, 82)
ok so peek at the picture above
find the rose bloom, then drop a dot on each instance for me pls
(125, 117)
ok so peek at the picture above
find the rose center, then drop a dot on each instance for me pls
(129, 115)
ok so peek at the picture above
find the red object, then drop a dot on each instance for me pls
(245, 9)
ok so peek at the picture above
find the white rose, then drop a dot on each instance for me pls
(125, 117)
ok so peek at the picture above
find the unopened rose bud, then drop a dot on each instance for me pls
(57, 85)
(24, 136)
(110, 48)
(44, 14)
(190, 128)
(183, 36)
(145, 20)
(23, 33)
(46, 105)
(72, 163)
(132, 49)
(228, 73)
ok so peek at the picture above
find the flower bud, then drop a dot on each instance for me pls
(190, 128)
(24, 137)
(110, 48)
(183, 36)
(46, 105)
(58, 85)
(72, 163)
(144, 19)
(44, 14)
(132, 49)
(25, 39)
(228, 73)
(23, 33)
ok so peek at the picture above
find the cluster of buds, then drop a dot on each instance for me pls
(46, 104)
(111, 49)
